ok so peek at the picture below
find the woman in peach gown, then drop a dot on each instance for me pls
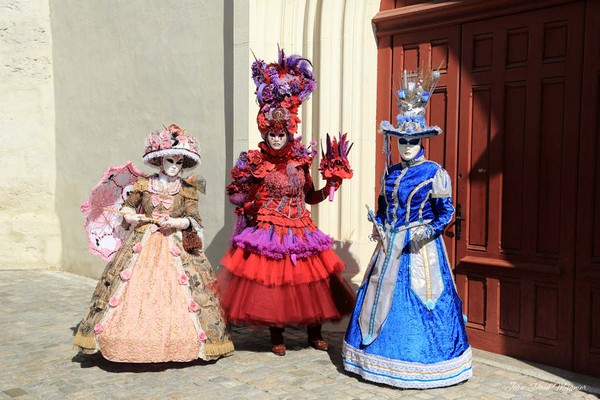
(156, 300)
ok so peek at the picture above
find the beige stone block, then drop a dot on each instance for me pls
(22, 255)
(30, 241)
(43, 225)
(21, 102)
(53, 251)
(29, 195)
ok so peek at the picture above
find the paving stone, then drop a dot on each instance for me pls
(15, 392)
(40, 310)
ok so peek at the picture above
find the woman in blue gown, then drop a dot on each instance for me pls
(407, 329)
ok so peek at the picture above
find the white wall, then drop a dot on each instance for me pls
(30, 234)
(123, 69)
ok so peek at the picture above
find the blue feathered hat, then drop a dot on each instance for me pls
(413, 96)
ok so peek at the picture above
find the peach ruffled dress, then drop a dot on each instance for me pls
(152, 322)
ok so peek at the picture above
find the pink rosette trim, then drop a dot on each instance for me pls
(114, 301)
(98, 328)
(182, 139)
(137, 248)
(183, 279)
(175, 251)
(164, 135)
(202, 337)
(125, 274)
(193, 306)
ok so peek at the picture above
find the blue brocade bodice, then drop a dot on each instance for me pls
(415, 192)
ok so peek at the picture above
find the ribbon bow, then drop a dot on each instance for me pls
(160, 215)
(166, 201)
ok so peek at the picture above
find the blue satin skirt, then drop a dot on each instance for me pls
(420, 344)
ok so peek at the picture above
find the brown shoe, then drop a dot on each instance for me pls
(278, 349)
(319, 344)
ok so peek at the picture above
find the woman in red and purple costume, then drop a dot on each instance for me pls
(280, 267)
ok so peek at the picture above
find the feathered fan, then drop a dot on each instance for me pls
(334, 162)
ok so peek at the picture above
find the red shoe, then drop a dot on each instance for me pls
(319, 344)
(278, 349)
(277, 345)
(315, 340)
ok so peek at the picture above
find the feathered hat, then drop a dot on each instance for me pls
(172, 141)
(413, 96)
(281, 87)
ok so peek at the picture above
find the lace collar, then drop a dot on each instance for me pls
(157, 187)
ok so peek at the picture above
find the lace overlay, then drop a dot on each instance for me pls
(151, 323)
(407, 374)
(155, 302)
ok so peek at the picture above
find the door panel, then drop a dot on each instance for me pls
(520, 87)
(587, 282)
(437, 48)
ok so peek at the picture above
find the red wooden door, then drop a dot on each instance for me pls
(587, 281)
(520, 97)
(437, 48)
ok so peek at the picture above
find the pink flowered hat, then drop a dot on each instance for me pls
(172, 141)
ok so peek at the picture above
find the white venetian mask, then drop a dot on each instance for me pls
(277, 141)
(172, 165)
(408, 148)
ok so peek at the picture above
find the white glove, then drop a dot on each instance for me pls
(175, 223)
(421, 233)
(133, 219)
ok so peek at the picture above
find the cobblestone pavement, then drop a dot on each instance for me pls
(40, 309)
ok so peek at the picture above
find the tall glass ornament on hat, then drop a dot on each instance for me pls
(280, 269)
(407, 329)
(156, 300)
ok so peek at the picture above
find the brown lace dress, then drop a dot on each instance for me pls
(155, 302)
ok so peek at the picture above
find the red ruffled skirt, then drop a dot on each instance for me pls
(258, 290)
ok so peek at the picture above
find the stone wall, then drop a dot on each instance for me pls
(30, 235)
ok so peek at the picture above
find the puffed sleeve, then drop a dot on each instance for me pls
(191, 212)
(135, 196)
(241, 180)
(442, 185)
(441, 201)
(190, 195)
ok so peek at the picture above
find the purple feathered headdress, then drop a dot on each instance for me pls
(281, 87)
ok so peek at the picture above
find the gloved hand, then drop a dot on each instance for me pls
(175, 223)
(421, 233)
(133, 219)
(375, 234)
(334, 182)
